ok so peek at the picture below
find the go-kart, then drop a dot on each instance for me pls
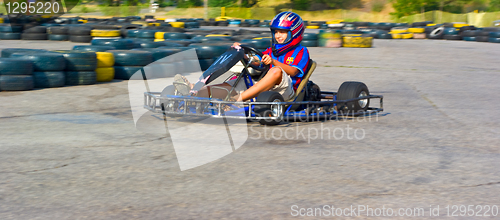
(268, 108)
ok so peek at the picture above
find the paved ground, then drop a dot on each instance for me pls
(74, 153)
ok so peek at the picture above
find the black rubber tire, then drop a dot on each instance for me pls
(351, 90)
(205, 63)
(483, 33)
(217, 48)
(12, 66)
(265, 110)
(47, 61)
(131, 57)
(79, 60)
(309, 43)
(16, 83)
(494, 40)
(57, 30)
(149, 44)
(75, 78)
(222, 23)
(469, 38)
(36, 30)
(58, 37)
(11, 28)
(7, 52)
(174, 35)
(257, 43)
(125, 72)
(146, 33)
(467, 28)
(119, 44)
(452, 37)
(158, 53)
(470, 33)
(49, 79)
(93, 48)
(384, 36)
(79, 31)
(10, 36)
(491, 29)
(80, 38)
(482, 38)
(184, 43)
(494, 35)
(310, 36)
(33, 36)
(204, 51)
(173, 29)
(132, 33)
(437, 33)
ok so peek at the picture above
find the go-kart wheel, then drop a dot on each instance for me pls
(351, 90)
(169, 106)
(313, 93)
(269, 110)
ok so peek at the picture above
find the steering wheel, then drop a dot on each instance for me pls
(251, 52)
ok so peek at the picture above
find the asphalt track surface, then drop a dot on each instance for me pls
(74, 153)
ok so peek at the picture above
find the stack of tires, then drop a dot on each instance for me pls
(80, 34)
(10, 32)
(48, 68)
(469, 35)
(35, 33)
(16, 74)
(146, 34)
(93, 48)
(357, 41)
(105, 71)
(435, 32)
(309, 40)
(401, 33)
(159, 36)
(260, 43)
(330, 38)
(105, 34)
(58, 33)
(80, 67)
(451, 33)
(119, 44)
(128, 62)
(494, 36)
(418, 32)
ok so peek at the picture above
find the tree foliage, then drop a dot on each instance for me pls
(409, 7)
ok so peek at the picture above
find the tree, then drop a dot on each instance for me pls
(409, 7)
(494, 5)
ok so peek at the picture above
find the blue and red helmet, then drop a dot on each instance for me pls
(292, 23)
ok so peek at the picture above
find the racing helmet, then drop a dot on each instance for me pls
(292, 23)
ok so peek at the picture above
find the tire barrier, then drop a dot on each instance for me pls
(79, 60)
(105, 74)
(12, 66)
(105, 59)
(80, 34)
(330, 39)
(49, 79)
(7, 28)
(131, 57)
(34, 36)
(10, 36)
(469, 38)
(494, 40)
(58, 37)
(105, 33)
(43, 61)
(75, 78)
(125, 72)
(437, 33)
(357, 41)
(16, 83)
(158, 53)
(482, 38)
(119, 44)
(175, 35)
(7, 52)
(93, 48)
(452, 37)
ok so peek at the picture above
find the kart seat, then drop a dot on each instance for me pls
(299, 94)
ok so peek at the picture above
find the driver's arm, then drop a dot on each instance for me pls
(291, 71)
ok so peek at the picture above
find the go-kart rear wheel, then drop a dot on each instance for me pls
(351, 90)
(269, 110)
(169, 106)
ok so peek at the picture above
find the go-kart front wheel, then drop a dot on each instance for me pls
(351, 90)
(269, 110)
(169, 106)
